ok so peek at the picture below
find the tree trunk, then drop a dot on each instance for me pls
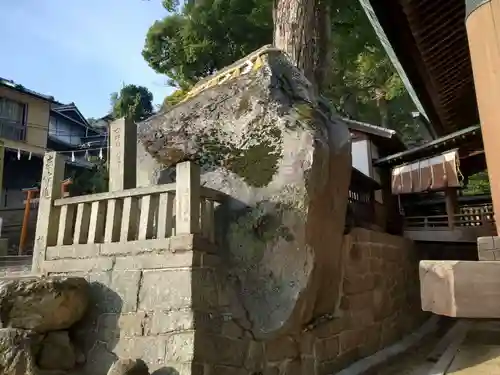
(302, 29)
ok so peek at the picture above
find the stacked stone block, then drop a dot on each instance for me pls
(146, 301)
(488, 248)
(169, 306)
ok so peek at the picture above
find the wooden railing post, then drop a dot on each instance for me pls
(451, 205)
(48, 215)
(26, 217)
(187, 198)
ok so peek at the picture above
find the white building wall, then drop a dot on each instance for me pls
(361, 156)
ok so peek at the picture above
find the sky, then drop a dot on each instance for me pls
(79, 50)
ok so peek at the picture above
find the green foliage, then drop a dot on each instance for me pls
(135, 102)
(364, 84)
(201, 38)
(90, 181)
(171, 5)
(205, 36)
(478, 184)
(173, 99)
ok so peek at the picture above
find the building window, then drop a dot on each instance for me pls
(12, 119)
(66, 131)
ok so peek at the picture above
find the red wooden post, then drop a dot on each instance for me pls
(27, 208)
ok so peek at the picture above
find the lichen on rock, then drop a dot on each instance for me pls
(43, 304)
(263, 138)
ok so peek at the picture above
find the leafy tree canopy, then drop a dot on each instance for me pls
(135, 102)
(199, 38)
(478, 184)
(203, 37)
(90, 181)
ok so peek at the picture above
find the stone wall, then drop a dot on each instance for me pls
(488, 248)
(167, 302)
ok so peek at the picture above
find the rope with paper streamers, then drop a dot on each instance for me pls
(72, 153)
(249, 63)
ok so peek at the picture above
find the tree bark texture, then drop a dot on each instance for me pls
(302, 29)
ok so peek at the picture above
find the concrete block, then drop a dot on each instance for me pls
(110, 327)
(464, 289)
(150, 349)
(77, 265)
(488, 248)
(180, 347)
(485, 243)
(172, 244)
(186, 288)
(165, 290)
(72, 251)
(155, 261)
(126, 285)
(162, 322)
(486, 255)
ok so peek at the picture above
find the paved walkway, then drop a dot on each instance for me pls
(413, 362)
(479, 354)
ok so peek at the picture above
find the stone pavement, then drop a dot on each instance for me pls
(479, 354)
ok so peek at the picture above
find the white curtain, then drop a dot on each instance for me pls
(11, 110)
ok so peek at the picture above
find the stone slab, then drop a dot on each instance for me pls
(465, 289)
(77, 265)
(186, 288)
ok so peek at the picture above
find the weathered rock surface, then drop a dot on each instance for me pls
(263, 138)
(18, 349)
(129, 367)
(57, 352)
(43, 304)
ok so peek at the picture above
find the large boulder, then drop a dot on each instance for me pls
(43, 304)
(18, 349)
(261, 135)
(57, 352)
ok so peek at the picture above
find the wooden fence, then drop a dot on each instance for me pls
(153, 212)
(365, 210)
(467, 216)
(126, 213)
